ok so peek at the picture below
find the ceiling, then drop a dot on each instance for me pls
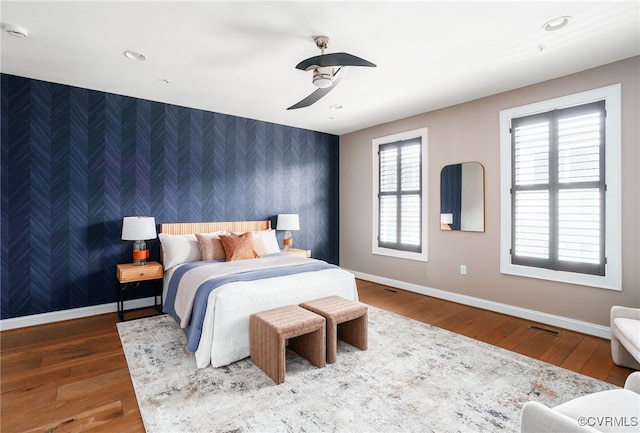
(239, 57)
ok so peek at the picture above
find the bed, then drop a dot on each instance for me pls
(212, 298)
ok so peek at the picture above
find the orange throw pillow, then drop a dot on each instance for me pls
(239, 247)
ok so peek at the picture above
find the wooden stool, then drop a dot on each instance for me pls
(270, 330)
(351, 316)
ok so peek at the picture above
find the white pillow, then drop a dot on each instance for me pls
(178, 249)
(265, 242)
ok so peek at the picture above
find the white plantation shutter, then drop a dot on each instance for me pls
(388, 219)
(579, 228)
(410, 163)
(400, 195)
(531, 161)
(558, 189)
(532, 224)
(389, 201)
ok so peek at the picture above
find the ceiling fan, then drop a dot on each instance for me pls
(327, 70)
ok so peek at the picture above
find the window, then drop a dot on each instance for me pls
(400, 202)
(558, 190)
(561, 188)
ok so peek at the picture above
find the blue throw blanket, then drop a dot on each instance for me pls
(193, 331)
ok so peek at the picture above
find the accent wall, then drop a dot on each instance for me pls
(76, 161)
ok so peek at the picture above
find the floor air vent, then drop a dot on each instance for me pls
(547, 330)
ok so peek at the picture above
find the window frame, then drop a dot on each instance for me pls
(422, 134)
(613, 237)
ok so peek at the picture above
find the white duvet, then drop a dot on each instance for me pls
(225, 334)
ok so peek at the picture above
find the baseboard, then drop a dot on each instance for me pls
(524, 313)
(75, 313)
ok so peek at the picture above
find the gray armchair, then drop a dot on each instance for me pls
(616, 410)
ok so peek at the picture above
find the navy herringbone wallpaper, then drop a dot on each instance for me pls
(75, 161)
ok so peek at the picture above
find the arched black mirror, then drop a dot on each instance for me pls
(462, 197)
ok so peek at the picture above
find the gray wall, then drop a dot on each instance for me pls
(470, 132)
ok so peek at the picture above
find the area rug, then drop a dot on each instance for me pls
(413, 378)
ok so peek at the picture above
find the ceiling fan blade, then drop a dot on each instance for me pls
(319, 93)
(333, 59)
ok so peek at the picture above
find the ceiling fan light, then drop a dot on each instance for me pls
(323, 77)
(322, 82)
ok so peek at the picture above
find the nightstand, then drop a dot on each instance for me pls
(296, 252)
(129, 278)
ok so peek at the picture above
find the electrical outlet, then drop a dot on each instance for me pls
(463, 269)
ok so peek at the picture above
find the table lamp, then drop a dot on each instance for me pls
(288, 222)
(139, 229)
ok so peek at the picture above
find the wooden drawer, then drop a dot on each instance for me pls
(129, 272)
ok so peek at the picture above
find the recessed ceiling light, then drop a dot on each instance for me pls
(16, 31)
(556, 23)
(135, 55)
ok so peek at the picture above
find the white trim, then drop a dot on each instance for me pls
(423, 133)
(613, 278)
(75, 313)
(524, 313)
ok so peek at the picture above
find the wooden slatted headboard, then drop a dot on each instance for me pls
(207, 227)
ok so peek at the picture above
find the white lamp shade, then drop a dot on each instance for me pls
(288, 221)
(137, 228)
(446, 218)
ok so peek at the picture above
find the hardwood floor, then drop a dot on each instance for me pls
(574, 351)
(72, 376)
(67, 377)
